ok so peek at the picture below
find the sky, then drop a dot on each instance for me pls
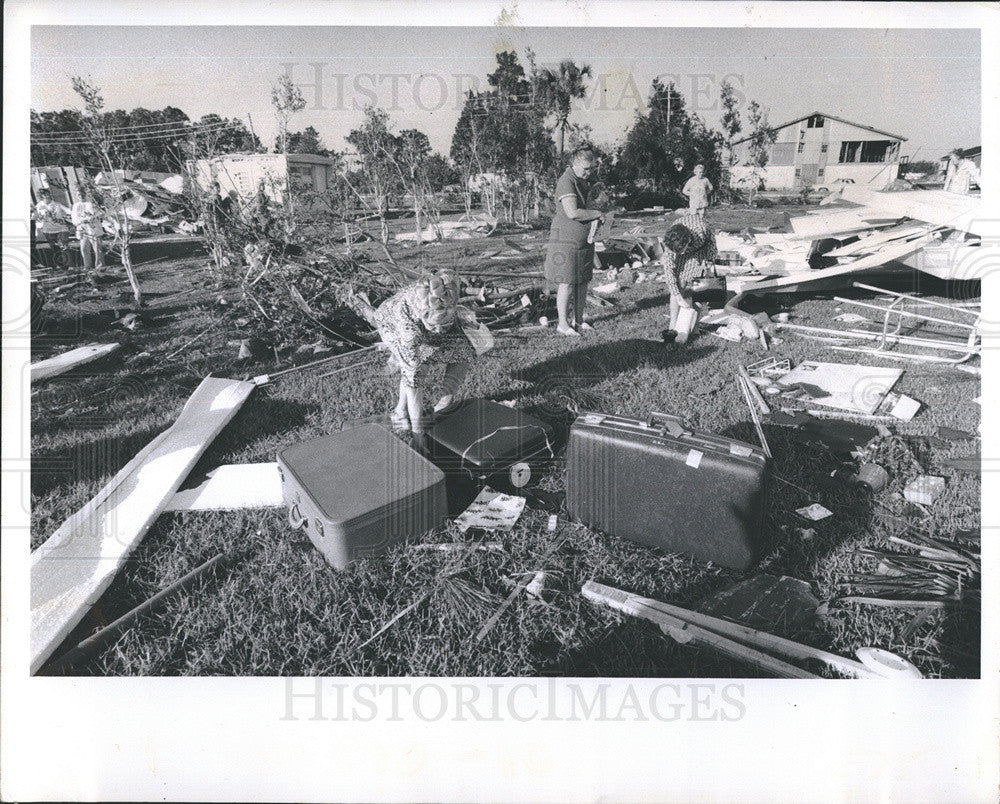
(924, 85)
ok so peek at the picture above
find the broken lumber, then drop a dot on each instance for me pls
(60, 364)
(74, 566)
(232, 487)
(653, 610)
(939, 207)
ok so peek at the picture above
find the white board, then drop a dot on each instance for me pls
(857, 389)
(231, 487)
(74, 566)
(53, 366)
(939, 207)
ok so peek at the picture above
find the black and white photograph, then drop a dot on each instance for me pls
(499, 402)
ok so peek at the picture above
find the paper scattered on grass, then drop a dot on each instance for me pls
(491, 510)
(851, 318)
(814, 512)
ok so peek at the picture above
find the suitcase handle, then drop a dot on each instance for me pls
(295, 518)
(672, 425)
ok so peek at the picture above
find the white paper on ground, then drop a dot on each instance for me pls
(230, 487)
(491, 510)
(814, 512)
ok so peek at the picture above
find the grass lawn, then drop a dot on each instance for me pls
(279, 609)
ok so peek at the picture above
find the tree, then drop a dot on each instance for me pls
(501, 140)
(94, 125)
(731, 123)
(761, 138)
(377, 147)
(558, 89)
(304, 142)
(287, 101)
(218, 135)
(664, 144)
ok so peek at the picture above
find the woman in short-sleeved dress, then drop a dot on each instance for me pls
(569, 261)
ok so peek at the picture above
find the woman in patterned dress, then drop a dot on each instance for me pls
(688, 248)
(422, 325)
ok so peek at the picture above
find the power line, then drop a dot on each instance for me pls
(118, 139)
(126, 129)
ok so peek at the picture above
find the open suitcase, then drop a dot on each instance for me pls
(358, 491)
(490, 442)
(659, 483)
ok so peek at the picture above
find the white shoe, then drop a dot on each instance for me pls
(569, 333)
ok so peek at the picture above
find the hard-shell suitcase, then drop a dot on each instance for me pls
(486, 439)
(358, 491)
(659, 483)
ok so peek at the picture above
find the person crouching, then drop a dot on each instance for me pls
(688, 249)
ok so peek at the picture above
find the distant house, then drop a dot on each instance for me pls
(975, 154)
(244, 173)
(823, 149)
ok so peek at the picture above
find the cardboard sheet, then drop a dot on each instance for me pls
(857, 389)
(227, 488)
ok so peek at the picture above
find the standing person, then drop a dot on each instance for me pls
(50, 222)
(698, 189)
(423, 325)
(569, 263)
(687, 249)
(87, 218)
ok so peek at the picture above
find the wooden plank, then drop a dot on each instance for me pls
(71, 570)
(814, 227)
(232, 487)
(868, 244)
(939, 207)
(60, 364)
(616, 598)
(687, 631)
(894, 251)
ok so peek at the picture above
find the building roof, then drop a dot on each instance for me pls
(968, 153)
(832, 117)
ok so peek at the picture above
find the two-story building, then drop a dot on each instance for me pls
(821, 149)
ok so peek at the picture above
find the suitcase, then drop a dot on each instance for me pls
(359, 491)
(490, 441)
(659, 483)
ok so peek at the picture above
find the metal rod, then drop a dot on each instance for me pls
(321, 362)
(921, 316)
(956, 308)
(88, 647)
(753, 415)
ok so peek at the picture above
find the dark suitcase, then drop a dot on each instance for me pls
(358, 491)
(487, 440)
(661, 484)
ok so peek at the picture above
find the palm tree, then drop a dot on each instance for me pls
(559, 88)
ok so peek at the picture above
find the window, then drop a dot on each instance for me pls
(866, 150)
(798, 172)
(820, 172)
(802, 147)
(816, 121)
(824, 148)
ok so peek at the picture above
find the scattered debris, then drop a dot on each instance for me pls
(102, 534)
(924, 490)
(60, 364)
(491, 510)
(814, 512)
(765, 601)
(856, 389)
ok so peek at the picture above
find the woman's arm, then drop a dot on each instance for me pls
(574, 213)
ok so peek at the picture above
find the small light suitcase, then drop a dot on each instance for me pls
(659, 483)
(358, 491)
(487, 440)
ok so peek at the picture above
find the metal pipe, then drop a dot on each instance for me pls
(913, 298)
(891, 310)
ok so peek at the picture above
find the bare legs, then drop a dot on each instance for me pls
(408, 413)
(567, 294)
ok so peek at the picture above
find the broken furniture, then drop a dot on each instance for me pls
(659, 483)
(359, 491)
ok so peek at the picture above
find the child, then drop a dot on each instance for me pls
(422, 325)
(87, 219)
(697, 190)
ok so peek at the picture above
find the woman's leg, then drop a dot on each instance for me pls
(563, 293)
(87, 253)
(98, 252)
(675, 307)
(579, 303)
